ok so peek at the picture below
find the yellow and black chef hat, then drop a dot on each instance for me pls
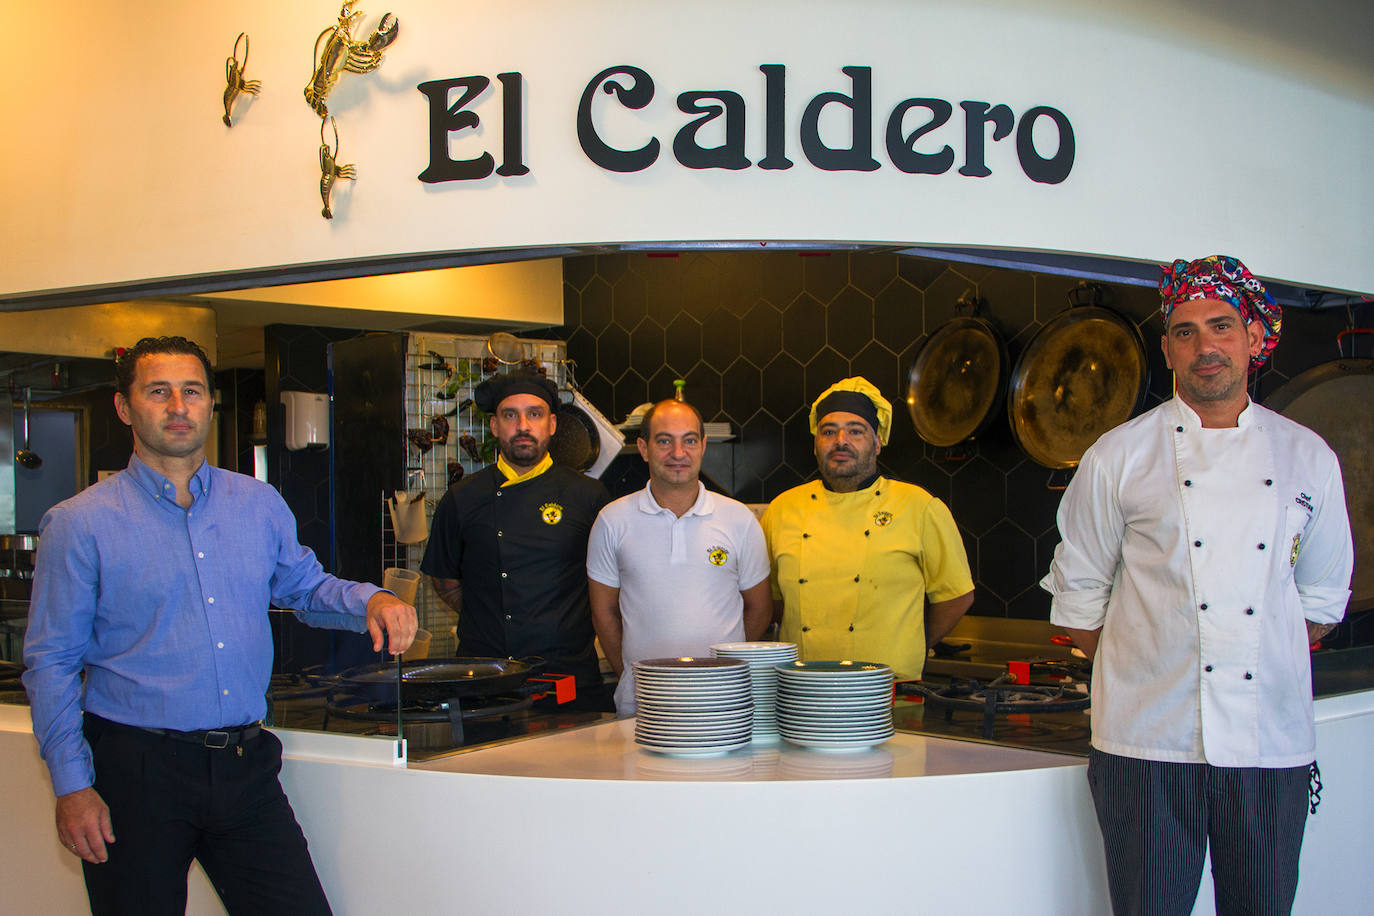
(858, 396)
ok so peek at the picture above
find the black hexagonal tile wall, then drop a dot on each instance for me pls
(720, 338)
(898, 316)
(873, 272)
(682, 342)
(701, 286)
(980, 500)
(1009, 298)
(704, 391)
(629, 300)
(849, 321)
(646, 348)
(878, 364)
(628, 392)
(596, 309)
(783, 379)
(803, 327)
(1007, 560)
(919, 272)
(613, 347)
(761, 333)
(661, 384)
(825, 274)
(741, 390)
(823, 370)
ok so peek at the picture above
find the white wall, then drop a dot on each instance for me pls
(1196, 132)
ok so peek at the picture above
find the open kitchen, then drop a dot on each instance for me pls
(968, 206)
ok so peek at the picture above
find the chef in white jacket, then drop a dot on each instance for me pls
(1204, 545)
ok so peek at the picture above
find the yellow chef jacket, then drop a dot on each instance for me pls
(854, 570)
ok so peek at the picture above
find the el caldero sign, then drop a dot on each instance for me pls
(922, 136)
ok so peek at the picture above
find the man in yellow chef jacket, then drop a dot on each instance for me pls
(864, 567)
(1204, 545)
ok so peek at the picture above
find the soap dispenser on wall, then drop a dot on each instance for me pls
(307, 419)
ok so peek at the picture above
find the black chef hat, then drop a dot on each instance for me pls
(496, 389)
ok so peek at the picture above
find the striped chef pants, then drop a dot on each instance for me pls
(1158, 818)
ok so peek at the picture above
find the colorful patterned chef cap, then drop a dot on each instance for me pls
(1226, 279)
(855, 395)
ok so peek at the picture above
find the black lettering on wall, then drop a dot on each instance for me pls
(774, 117)
(902, 149)
(445, 119)
(1056, 168)
(977, 114)
(637, 95)
(859, 156)
(512, 125)
(729, 155)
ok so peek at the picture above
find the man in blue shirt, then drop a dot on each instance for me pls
(154, 584)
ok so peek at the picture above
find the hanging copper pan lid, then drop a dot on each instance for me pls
(1082, 374)
(957, 381)
(1332, 400)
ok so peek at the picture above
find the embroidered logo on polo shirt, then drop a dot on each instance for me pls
(882, 519)
(551, 513)
(717, 556)
(1293, 554)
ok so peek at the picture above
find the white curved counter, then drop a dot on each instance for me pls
(582, 821)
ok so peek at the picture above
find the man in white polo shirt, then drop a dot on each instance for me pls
(674, 568)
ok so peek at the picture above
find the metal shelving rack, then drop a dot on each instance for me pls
(441, 373)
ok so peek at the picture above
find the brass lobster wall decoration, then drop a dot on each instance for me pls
(336, 51)
(330, 168)
(233, 77)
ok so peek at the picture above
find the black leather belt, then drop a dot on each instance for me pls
(215, 738)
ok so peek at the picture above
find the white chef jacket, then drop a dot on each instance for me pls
(1200, 552)
(679, 578)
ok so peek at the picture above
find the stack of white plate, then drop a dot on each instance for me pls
(835, 706)
(763, 657)
(692, 707)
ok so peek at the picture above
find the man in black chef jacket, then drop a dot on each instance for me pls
(508, 547)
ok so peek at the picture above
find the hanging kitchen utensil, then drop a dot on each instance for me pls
(26, 456)
(576, 442)
(1326, 400)
(407, 509)
(505, 348)
(1082, 374)
(957, 379)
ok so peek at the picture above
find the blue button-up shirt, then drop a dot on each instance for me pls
(165, 608)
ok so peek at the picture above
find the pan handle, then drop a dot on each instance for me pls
(1340, 340)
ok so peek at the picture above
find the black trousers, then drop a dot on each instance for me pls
(171, 802)
(1158, 820)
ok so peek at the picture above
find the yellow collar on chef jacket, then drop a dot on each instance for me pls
(512, 476)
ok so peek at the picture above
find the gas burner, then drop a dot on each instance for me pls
(1003, 695)
(456, 713)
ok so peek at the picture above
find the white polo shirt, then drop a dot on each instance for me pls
(679, 578)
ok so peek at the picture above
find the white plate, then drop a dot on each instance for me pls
(673, 750)
(836, 746)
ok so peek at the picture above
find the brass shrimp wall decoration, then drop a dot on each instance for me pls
(330, 168)
(341, 53)
(233, 77)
